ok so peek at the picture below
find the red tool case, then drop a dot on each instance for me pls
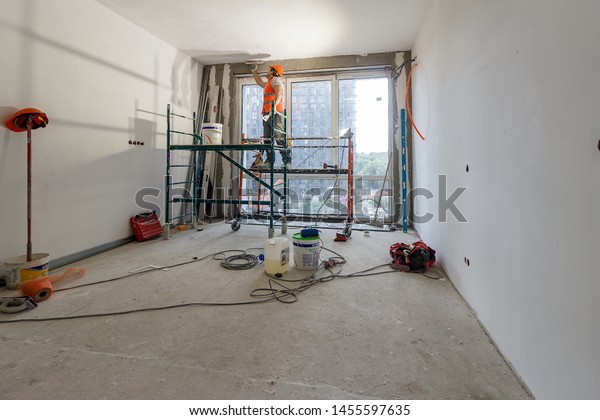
(146, 226)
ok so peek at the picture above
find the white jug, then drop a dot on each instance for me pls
(277, 256)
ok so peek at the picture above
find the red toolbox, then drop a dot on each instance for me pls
(146, 226)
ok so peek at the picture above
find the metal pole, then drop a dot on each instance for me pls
(404, 186)
(241, 185)
(285, 178)
(350, 178)
(29, 125)
(194, 193)
(167, 227)
(271, 165)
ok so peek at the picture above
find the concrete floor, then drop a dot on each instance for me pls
(391, 336)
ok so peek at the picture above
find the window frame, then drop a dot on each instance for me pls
(335, 78)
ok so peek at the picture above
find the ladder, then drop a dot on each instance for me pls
(189, 185)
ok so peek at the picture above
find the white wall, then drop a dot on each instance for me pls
(512, 88)
(102, 81)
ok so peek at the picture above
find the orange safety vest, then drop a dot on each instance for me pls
(269, 98)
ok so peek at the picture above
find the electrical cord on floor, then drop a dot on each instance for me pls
(281, 292)
(232, 263)
(219, 256)
(277, 290)
(133, 311)
(214, 256)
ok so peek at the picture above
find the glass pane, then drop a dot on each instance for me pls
(371, 201)
(363, 105)
(252, 98)
(252, 124)
(311, 117)
(320, 196)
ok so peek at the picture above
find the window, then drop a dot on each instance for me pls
(310, 118)
(363, 107)
(317, 109)
(252, 98)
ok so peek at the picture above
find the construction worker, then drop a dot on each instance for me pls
(273, 96)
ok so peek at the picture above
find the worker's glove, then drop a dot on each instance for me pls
(266, 117)
(253, 68)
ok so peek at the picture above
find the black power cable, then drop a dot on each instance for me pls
(278, 289)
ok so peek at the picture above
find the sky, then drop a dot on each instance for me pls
(371, 115)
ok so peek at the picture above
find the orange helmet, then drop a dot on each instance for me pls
(18, 122)
(278, 69)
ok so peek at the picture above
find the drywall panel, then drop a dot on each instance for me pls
(511, 89)
(103, 82)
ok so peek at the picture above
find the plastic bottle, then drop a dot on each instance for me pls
(277, 256)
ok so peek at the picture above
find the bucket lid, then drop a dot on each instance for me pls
(298, 237)
(38, 258)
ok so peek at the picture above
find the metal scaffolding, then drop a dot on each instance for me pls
(198, 149)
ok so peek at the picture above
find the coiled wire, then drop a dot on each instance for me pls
(240, 262)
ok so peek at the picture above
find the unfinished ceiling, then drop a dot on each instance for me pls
(235, 31)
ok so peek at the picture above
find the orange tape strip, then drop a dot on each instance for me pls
(38, 289)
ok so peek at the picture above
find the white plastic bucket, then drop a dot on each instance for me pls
(212, 133)
(306, 252)
(18, 269)
(277, 256)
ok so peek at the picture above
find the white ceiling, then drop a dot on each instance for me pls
(233, 31)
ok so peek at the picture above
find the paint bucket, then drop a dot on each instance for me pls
(306, 251)
(18, 269)
(277, 256)
(212, 133)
